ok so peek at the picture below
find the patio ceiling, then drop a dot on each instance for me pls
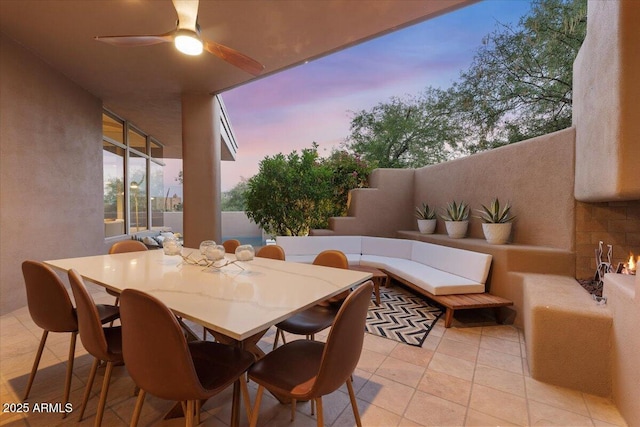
(144, 84)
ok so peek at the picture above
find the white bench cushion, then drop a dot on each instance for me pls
(468, 264)
(432, 280)
(382, 246)
(310, 246)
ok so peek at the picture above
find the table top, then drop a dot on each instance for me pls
(237, 302)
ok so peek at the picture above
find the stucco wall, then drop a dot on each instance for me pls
(606, 109)
(536, 176)
(380, 210)
(50, 166)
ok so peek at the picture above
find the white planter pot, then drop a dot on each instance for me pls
(427, 226)
(497, 234)
(456, 229)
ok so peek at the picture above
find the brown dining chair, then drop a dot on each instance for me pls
(319, 317)
(163, 363)
(121, 247)
(271, 251)
(308, 370)
(51, 309)
(104, 344)
(231, 245)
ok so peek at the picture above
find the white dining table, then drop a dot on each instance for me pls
(237, 301)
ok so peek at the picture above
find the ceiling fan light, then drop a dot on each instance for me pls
(189, 44)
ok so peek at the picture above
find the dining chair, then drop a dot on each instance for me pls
(51, 309)
(162, 362)
(231, 245)
(319, 317)
(271, 251)
(104, 344)
(121, 247)
(308, 370)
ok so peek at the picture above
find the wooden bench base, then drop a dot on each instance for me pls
(459, 301)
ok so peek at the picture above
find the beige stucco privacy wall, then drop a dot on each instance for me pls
(606, 112)
(536, 176)
(51, 163)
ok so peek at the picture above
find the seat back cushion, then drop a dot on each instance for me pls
(472, 265)
(386, 247)
(313, 245)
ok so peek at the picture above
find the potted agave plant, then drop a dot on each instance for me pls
(426, 216)
(497, 222)
(456, 219)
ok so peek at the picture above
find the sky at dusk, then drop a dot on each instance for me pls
(316, 101)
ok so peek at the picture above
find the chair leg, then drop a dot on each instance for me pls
(87, 389)
(36, 362)
(189, 413)
(293, 410)
(245, 395)
(103, 393)
(256, 406)
(320, 416)
(275, 340)
(138, 409)
(198, 407)
(67, 381)
(312, 403)
(354, 404)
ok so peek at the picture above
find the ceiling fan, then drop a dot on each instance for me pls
(187, 39)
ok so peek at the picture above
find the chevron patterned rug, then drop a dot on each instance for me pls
(402, 316)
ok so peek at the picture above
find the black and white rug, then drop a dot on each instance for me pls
(402, 316)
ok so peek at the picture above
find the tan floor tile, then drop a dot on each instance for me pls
(401, 371)
(386, 394)
(558, 397)
(370, 360)
(452, 366)
(405, 422)
(603, 409)
(500, 380)
(458, 349)
(504, 346)
(499, 360)
(379, 344)
(370, 415)
(542, 414)
(429, 410)
(499, 404)
(466, 335)
(478, 419)
(504, 332)
(446, 386)
(432, 342)
(413, 354)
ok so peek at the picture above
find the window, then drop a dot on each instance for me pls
(132, 178)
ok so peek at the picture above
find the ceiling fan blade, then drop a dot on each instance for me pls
(187, 11)
(234, 57)
(143, 40)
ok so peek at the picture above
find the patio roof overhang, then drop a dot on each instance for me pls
(145, 84)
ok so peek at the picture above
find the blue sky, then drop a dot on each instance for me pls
(315, 102)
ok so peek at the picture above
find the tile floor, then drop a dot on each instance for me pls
(471, 376)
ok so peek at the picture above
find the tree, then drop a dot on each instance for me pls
(403, 133)
(235, 199)
(520, 82)
(293, 194)
(518, 86)
(348, 171)
(290, 194)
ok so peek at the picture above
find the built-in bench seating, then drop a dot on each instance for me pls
(437, 272)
